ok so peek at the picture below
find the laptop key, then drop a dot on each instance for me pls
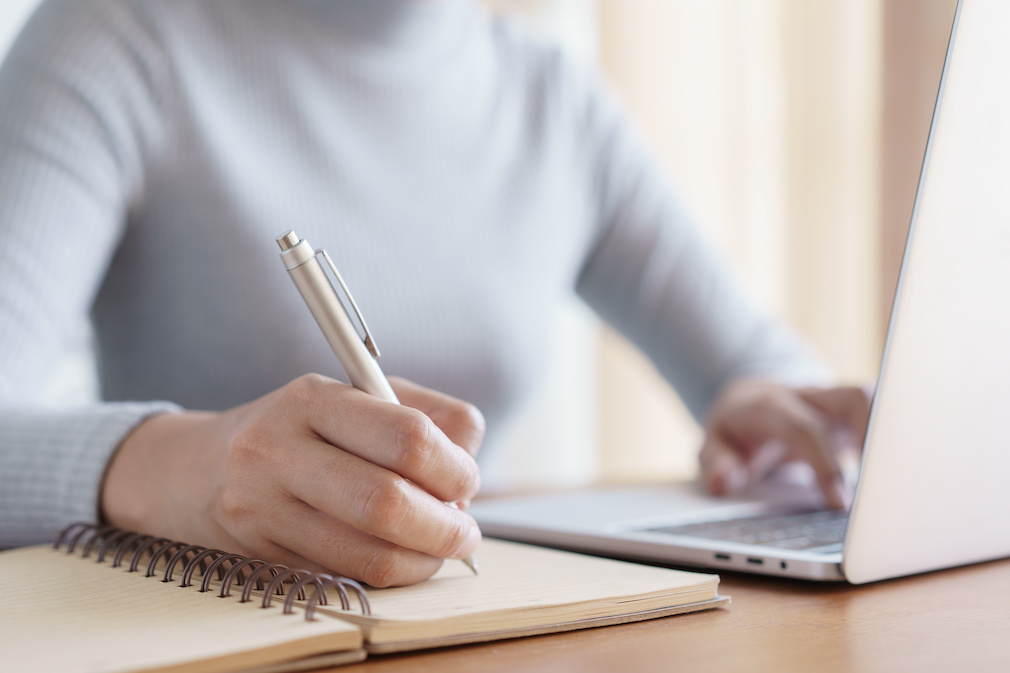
(822, 530)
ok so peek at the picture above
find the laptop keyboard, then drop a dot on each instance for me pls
(801, 530)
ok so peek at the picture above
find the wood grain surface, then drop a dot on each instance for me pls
(955, 620)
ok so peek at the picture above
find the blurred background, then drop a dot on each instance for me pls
(794, 129)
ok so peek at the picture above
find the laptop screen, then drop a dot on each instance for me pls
(933, 478)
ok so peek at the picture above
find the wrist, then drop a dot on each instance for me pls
(140, 487)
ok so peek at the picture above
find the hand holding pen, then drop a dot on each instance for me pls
(356, 353)
(316, 474)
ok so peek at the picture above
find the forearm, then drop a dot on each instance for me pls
(652, 274)
(660, 283)
(52, 463)
(81, 119)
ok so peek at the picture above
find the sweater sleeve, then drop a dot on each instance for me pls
(80, 114)
(654, 276)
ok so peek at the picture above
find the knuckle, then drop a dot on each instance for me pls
(233, 507)
(303, 389)
(249, 445)
(311, 380)
(413, 442)
(385, 568)
(385, 505)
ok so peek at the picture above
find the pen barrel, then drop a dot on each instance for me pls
(331, 315)
(362, 370)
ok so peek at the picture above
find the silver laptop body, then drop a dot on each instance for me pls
(934, 481)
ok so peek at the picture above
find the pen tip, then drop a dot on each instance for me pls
(471, 563)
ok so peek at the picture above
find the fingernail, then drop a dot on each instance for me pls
(473, 539)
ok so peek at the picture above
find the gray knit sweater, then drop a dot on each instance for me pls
(464, 177)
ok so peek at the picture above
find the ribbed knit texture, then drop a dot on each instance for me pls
(464, 178)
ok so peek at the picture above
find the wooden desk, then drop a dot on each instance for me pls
(955, 620)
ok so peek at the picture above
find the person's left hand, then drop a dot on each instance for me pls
(756, 424)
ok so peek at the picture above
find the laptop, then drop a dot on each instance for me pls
(933, 489)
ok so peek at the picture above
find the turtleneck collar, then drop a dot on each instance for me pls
(391, 24)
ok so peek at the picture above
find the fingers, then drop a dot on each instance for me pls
(847, 406)
(401, 439)
(722, 469)
(801, 428)
(461, 422)
(756, 424)
(315, 540)
(766, 460)
(315, 473)
(378, 502)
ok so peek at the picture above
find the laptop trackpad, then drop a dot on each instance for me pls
(621, 509)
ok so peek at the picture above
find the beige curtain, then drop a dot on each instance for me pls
(767, 115)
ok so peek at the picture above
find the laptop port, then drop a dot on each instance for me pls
(756, 561)
(722, 557)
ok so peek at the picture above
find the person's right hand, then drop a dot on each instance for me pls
(316, 474)
(755, 425)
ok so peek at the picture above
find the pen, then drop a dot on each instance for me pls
(356, 355)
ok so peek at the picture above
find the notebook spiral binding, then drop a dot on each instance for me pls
(105, 540)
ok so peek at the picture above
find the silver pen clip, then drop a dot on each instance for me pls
(369, 341)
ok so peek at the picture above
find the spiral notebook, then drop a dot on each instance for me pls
(107, 601)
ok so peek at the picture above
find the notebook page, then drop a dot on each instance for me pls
(65, 614)
(521, 585)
